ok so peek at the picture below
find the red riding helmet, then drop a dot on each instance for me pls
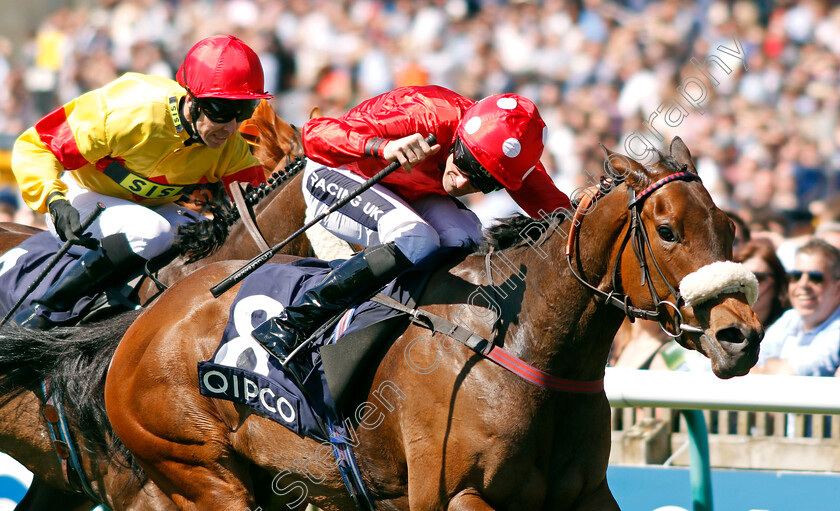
(506, 135)
(222, 66)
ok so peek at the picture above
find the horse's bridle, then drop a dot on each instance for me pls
(639, 236)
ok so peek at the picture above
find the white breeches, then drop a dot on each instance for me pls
(379, 216)
(150, 230)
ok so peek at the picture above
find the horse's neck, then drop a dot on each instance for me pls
(282, 213)
(561, 326)
(278, 215)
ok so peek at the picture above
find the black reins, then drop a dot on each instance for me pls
(640, 239)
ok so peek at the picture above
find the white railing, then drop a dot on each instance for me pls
(691, 392)
(758, 393)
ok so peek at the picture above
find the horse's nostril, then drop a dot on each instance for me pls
(732, 335)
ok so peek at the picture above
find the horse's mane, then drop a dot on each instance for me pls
(75, 361)
(515, 230)
(197, 240)
(508, 232)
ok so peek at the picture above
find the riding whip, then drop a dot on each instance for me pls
(52, 262)
(252, 265)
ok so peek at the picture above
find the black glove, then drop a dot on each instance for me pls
(67, 224)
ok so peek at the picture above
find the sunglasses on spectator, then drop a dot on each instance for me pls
(478, 176)
(817, 277)
(222, 111)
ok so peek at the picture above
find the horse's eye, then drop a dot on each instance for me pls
(666, 234)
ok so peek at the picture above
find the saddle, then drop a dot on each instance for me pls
(345, 352)
(22, 265)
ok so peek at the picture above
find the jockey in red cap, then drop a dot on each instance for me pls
(133, 145)
(490, 145)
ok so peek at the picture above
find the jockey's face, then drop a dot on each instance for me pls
(212, 133)
(455, 182)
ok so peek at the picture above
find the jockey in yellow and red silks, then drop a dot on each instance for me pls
(133, 145)
(492, 144)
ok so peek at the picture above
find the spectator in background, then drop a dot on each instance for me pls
(742, 231)
(805, 341)
(8, 204)
(830, 232)
(760, 258)
(766, 141)
(638, 345)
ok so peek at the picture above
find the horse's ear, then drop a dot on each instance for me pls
(679, 151)
(264, 109)
(624, 168)
(315, 112)
(264, 113)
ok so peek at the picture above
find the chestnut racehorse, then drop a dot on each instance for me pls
(465, 433)
(23, 430)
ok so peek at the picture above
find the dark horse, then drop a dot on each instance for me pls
(463, 433)
(23, 429)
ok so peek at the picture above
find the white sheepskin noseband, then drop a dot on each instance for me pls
(716, 279)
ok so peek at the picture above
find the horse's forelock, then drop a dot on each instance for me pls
(638, 178)
(666, 165)
(644, 176)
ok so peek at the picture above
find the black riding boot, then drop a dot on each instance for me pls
(93, 272)
(356, 280)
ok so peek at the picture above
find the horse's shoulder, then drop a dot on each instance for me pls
(15, 228)
(12, 234)
(452, 282)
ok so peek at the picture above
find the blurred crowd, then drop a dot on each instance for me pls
(766, 141)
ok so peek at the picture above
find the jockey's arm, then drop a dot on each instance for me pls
(336, 142)
(65, 139)
(538, 194)
(254, 175)
(386, 127)
(37, 170)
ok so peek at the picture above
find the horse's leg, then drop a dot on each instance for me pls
(147, 498)
(182, 443)
(42, 496)
(193, 487)
(468, 500)
(185, 452)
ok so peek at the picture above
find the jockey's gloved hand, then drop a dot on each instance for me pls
(68, 225)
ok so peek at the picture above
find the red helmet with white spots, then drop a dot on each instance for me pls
(222, 66)
(506, 135)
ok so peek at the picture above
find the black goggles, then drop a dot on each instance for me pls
(222, 111)
(469, 166)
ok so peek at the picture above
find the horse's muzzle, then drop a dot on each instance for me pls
(737, 349)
